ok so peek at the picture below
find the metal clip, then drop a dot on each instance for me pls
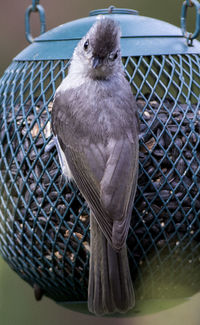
(189, 36)
(110, 9)
(35, 7)
(34, 4)
(189, 3)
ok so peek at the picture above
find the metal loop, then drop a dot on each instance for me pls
(33, 8)
(34, 4)
(187, 35)
(189, 3)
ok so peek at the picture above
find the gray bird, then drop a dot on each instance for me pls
(94, 120)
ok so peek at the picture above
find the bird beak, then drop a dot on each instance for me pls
(96, 62)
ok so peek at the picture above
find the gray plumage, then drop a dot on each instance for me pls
(95, 120)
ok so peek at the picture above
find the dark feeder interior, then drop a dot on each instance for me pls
(44, 222)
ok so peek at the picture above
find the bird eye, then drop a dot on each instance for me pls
(86, 45)
(113, 56)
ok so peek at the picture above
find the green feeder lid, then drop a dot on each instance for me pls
(140, 36)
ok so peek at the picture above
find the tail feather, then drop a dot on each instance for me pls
(110, 286)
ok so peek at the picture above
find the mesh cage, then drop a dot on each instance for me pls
(44, 222)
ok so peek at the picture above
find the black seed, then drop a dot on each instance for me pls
(181, 227)
(140, 231)
(181, 166)
(155, 229)
(148, 218)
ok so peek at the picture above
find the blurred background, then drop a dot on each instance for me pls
(12, 35)
(17, 304)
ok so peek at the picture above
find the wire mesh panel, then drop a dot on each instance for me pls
(44, 222)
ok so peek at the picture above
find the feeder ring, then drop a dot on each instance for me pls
(29, 10)
(187, 35)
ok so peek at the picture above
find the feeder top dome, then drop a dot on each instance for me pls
(140, 36)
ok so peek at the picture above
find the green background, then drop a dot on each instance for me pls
(17, 303)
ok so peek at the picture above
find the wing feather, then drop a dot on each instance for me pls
(89, 188)
(106, 175)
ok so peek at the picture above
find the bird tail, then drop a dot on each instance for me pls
(110, 286)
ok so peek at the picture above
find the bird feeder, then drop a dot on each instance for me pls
(44, 222)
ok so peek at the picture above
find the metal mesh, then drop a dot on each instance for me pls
(44, 222)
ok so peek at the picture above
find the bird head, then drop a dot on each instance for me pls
(98, 52)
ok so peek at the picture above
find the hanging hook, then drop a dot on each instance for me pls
(187, 35)
(34, 4)
(110, 9)
(189, 3)
(35, 7)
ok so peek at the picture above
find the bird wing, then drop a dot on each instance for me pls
(118, 186)
(106, 176)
